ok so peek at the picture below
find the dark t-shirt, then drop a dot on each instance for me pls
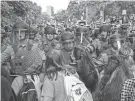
(6, 90)
(65, 56)
(5, 74)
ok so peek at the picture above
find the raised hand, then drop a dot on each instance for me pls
(36, 81)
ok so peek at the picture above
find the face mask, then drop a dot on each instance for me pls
(115, 45)
(20, 34)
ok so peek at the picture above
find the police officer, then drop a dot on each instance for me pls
(95, 45)
(67, 42)
(124, 30)
(32, 32)
(82, 33)
(105, 32)
(50, 33)
(18, 42)
(26, 57)
(115, 42)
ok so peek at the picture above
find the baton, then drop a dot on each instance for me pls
(81, 37)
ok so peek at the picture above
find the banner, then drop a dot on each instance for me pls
(124, 12)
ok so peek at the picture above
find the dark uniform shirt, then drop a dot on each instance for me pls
(66, 56)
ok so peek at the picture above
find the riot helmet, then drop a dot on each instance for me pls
(50, 32)
(81, 23)
(20, 29)
(67, 40)
(116, 41)
(32, 32)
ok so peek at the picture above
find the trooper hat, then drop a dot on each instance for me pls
(105, 28)
(81, 29)
(67, 37)
(32, 32)
(124, 26)
(49, 30)
(116, 37)
(82, 22)
(131, 35)
(33, 29)
(20, 25)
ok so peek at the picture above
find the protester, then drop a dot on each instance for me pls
(53, 87)
(37, 54)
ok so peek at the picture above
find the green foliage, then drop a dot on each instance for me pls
(61, 16)
(26, 10)
(75, 10)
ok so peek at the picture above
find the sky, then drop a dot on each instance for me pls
(57, 4)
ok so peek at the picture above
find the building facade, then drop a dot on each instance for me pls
(50, 10)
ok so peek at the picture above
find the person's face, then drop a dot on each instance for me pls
(21, 33)
(104, 34)
(31, 36)
(50, 36)
(115, 45)
(124, 30)
(68, 46)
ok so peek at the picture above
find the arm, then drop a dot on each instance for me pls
(102, 60)
(47, 93)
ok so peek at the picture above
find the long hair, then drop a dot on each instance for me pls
(86, 69)
(53, 63)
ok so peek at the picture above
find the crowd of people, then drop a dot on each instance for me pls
(35, 59)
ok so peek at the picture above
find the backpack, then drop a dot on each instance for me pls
(27, 93)
(76, 89)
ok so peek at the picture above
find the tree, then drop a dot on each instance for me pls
(26, 10)
(61, 16)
